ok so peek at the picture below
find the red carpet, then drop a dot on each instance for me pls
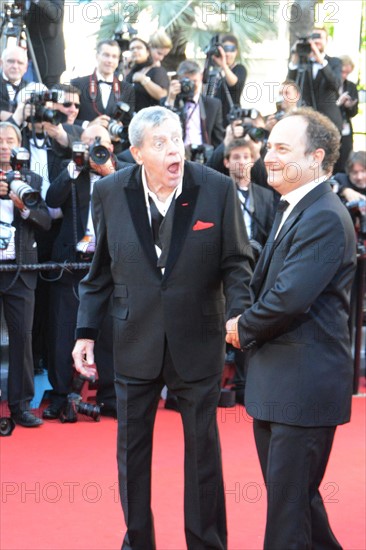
(59, 485)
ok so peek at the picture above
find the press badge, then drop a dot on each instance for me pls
(6, 233)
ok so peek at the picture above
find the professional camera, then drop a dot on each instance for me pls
(256, 134)
(7, 426)
(17, 181)
(213, 47)
(200, 153)
(303, 47)
(43, 113)
(357, 209)
(186, 89)
(75, 404)
(81, 153)
(114, 128)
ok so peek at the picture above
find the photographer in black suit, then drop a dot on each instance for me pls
(102, 91)
(201, 116)
(71, 191)
(317, 75)
(18, 245)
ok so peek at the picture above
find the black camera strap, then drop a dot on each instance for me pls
(93, 90)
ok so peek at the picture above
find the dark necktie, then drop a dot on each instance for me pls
(245, 193)
(156, 219)
(281, 207)
(105, 82)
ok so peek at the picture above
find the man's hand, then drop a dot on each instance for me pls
(351, 195)
(102, 120)
(4, 186)
(83, 355)
(56, 132)
(102, 169)
(16, 200)
(174, 89)
(232, 332)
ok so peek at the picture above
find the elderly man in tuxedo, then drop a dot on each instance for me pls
(171, 286)
(299, 379)
(14, 63)
(18, 220)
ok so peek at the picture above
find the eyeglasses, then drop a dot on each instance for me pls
(229, 48)
(68, 104)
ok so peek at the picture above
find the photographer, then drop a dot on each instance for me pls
(102, 90)
(14, 63)
(348, 104)
(317, 75)
(352, 184)
(18, 246)
(288, 97)
(233, 74)
(71, 191)
(201, 116)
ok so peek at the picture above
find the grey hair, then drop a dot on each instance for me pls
(6, 124)
(149, 118)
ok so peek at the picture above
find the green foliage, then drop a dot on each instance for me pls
(194, 21)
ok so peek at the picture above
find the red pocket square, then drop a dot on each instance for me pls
(198, 226)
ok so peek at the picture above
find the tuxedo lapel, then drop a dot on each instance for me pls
(184, 208)
(136, 203)
(266, 255)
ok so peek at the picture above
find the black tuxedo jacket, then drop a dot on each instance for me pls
(349, 112)
(301, 369)
(89, 110)
(326, 88)
(25, 242)
(5, 103)
(208, 261)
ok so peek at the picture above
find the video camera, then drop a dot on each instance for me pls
(75, 404)
(43, 113)
(17, 181)
(82, 153)
(257, 134)
(114, 128)
(303, 46)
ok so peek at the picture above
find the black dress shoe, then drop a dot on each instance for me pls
(52, 412)
(26, 419)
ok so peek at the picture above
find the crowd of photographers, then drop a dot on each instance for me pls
(56, 143)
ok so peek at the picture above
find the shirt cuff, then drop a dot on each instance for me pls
(73, 171)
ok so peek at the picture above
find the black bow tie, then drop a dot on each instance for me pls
(105, 82)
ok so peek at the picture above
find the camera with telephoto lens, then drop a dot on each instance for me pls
(114, 128)
(75, 405)
(186, 89)
(303, 46)
(41, 112)
(17, 181)
(82, 153)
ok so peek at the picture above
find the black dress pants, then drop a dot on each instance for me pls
(293, 461)
(204, 504)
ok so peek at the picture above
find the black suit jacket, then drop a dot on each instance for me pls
(25, 242)
(5, 103)
(349, 112)
(208, 261)
(262, 209)
(89, 110)
(301, 369)
(326, 87)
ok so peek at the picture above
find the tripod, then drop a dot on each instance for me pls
(14, 31)
(304, 69)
